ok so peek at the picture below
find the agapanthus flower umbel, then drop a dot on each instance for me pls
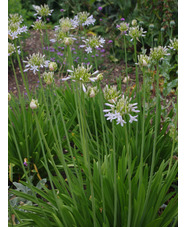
(15, 18)
(35, 61)
(48, 77)
(34, 104)
(83, 19)
(42, 10)
(143, 60)
(14, 30)
(173, 44)
(92, 91)
(123, 27)
(39, 25)
(121, 110)
(158, 53)
(66, 24)
(93, 42)
(136, 32)
(82, 73)
(11, 49)
(52, 66)
(111, 94)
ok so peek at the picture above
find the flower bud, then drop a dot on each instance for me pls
(9, 96)
(52, 66)
(162, 29)
(125, 79)
(151, 26)
(134, 22)
(34, 104)
(172, 23)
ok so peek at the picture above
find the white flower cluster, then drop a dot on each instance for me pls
(174, 44)
(92, 91)
(120, 109)
(11, 49)
(66, 24)
(39, 25)
(158, 53)
(93, 42)
(14, 26)
(82, 73)
(143, 61)
(123, 27)
(36, 61)
(111, 94)
(136, 32)
(83, 19)
(42, 10)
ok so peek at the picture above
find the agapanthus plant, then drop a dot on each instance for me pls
(42, 10)
(35, 62)
(93, 43)
(120, 110)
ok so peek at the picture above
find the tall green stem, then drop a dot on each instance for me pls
(126, 69)
(21, 69)
(143, 128)
(115, 177)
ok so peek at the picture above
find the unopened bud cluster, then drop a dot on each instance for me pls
(34, 104)
(48, 77)
(92, 91)
(143, 60)
(11, 49)
(52, 66)
(110, 93)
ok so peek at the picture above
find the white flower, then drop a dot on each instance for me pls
(34, 104)
(133, 118)
(120, 121)
(36, 61)
(88, 50)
